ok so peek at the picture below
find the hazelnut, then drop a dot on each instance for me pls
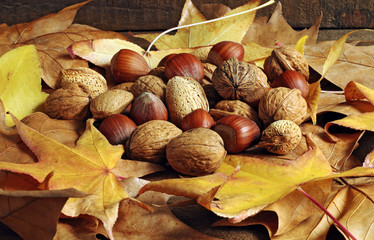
(146, 107)
(197, 118)
(282, 104)
(117, 128)
(224, 50)
(196, 152)
(184, 65)
(281, 137)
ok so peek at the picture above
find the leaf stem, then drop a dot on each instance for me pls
(208, 21)
(328, 213)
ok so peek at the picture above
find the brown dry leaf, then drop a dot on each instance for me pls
(351, 207)
(355, 64)
(160, 224)
(277, 30)
(29, 211)
(52, 23)
(232, 29)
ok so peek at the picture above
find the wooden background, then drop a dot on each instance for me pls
(339, 16)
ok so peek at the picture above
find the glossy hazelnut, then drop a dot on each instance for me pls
(117, 128)
(184, 65)
(292, 79)
(163, 61)
(197, 118)
(128, 65)
(146, 107)
(224, 50)
(237, 132)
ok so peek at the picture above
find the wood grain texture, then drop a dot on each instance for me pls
(145, 15)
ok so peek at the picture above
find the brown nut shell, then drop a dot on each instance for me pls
(183, 95)
(283, 59)
(148, 141)
(235, 79)
(71, 102)
(110, 102)
(196, 152)
(282, 104)
(92, 80)
(281, 137)
(149, 83)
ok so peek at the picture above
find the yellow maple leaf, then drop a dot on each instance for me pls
(20, 82)
(232, 29)
(87, 167)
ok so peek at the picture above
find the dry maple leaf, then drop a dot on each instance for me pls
(52, 23)
(257, 183)
(277, 30)
(232, 29)
(87, 167)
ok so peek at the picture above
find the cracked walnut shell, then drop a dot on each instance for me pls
(282, 104)
(196, 152)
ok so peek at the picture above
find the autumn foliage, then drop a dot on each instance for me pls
(62, 179)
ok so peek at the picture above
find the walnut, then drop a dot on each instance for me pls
(149, 83)
(123, 86)
(196, 152)
(285, 58)
(282, 104)
(235, 79)
(70, 102)
(110, 102)
(183, 95)
(281, 137)
(148, 141)
(234, 107)
(92, 80)
(158, 72)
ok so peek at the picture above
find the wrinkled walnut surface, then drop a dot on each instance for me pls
(282, 104)
(281, 137)
(235, 79)
(70, 102)
(196, 152)
(148, 141)
(149, 83)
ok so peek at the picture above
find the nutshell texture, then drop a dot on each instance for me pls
(281, 137)
(235, 79)
(283, 59)
(92, 80)
(148, 141)
(70, 102)
(110, 102)
(149, 83)
(282, 104)
(234, 107)
(183, 95)
(196, 152)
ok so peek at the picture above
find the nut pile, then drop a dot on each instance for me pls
(192, 109)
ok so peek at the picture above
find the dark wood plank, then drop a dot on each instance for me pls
(145, 15)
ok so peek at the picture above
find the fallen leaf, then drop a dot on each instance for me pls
(232, 29)
(87, 167)
(51, 23)
(257, 183)
(356, 91)
(277, 30)
(20, 84)
(31, 213)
